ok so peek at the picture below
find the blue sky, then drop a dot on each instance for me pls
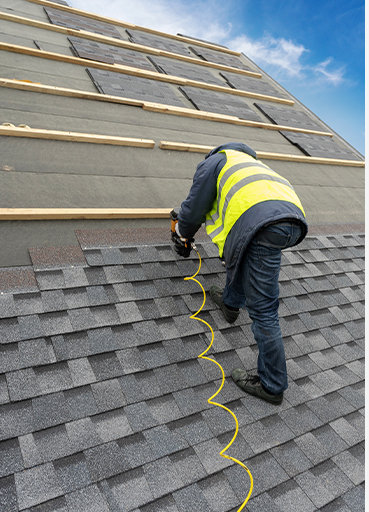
(314, 48)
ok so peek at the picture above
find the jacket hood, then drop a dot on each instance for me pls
(236, 146)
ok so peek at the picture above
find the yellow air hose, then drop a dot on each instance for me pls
(210, 400)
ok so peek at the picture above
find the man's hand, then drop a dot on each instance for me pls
(182, 246)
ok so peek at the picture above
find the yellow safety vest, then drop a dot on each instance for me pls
(242, 183)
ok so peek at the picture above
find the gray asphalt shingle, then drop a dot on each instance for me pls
(112, 425)
(52, 443)
(192, 428)
(104, 461)
(140, 417)
(88, 499)
(164, 441)
(72, 472)
(11, 457)
(290, 497)
(351, 466)
(4, 392)
(107, 403)
(188, 466)
(8, 494)
(323, 483)
(164, 409)
(162, 477)
(131, 488)
(36, 485)
(107, 394)
(208, 453)
(190, 498)
(136, 450)
(330, 406)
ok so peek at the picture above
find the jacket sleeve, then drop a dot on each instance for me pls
(201, 197)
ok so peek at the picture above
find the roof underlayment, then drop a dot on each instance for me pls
(103, 399)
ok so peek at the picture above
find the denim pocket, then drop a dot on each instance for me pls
(276, 235)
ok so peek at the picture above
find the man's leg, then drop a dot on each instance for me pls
(233, 294)
(260, 279)
(261, 266)
(231, 298)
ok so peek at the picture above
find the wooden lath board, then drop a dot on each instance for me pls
(128, 70)
(196, 148)
(200, 114)
(146, 105)
(83, 213)
(25, 85)
(92, 36)
(92, 138)
(125, 24)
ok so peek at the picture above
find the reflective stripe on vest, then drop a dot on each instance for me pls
(242, 183)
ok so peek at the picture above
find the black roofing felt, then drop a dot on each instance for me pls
(315, 145)
(287, 116)
(109, 53)
(156, 41)
(67, 19)
(127, 86)
(185, 70)
(220, 102)
(104, 402)
(219, 57)
(248, 83)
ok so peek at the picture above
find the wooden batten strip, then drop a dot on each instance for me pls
(128, 70)
(310, 159)
(125, 24)
(196, 148)
(152, 107)
(92, 36)
(92, 138)
(222, 118)
(83, 213)
(25, 85)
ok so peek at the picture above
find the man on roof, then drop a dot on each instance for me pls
(251, 213)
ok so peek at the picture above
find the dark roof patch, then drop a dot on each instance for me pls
(71, 20)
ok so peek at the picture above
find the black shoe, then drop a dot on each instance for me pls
(251, 384)
(216, 294)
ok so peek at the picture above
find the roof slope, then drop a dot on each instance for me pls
(64, 70)
(104, 402)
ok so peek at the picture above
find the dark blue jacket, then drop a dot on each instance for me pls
(203, 193)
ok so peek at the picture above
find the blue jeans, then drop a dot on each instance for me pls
(255, 285)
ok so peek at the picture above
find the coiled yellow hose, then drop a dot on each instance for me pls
(210, 400)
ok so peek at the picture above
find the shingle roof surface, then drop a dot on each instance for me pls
(104, 402)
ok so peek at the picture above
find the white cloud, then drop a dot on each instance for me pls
(276, 53)
(334, 76)
(284, 59)
(171, 16)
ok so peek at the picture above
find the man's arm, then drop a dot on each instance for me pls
(201, 197)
